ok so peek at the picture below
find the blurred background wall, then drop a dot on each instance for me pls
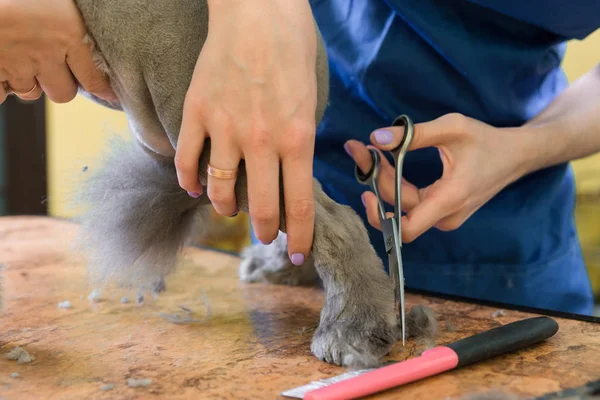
(77, 131)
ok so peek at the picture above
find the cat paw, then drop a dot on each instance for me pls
(355, 344)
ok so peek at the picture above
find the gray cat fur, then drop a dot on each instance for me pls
(139, 217)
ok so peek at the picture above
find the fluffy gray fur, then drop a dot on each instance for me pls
(421, 322)
(139, 217)
(138, 220)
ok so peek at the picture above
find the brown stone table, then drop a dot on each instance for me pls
(251, 342)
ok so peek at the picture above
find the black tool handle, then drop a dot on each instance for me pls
(503, 339)
(364, 177)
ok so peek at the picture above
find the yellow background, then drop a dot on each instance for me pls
(78, 130)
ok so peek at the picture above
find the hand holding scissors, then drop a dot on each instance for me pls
(392, 226)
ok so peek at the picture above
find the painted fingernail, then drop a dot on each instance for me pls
(362, 197)
(194, 194)
(266, 243)
(297, 258)
(384, 136)
(347, 148)
(234, 215)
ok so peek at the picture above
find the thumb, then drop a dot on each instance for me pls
(426, 134)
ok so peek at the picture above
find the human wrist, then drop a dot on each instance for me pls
(537, 147)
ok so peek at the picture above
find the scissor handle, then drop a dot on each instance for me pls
(373, 173)
(402, 148)
(399, 152)
(370, 179)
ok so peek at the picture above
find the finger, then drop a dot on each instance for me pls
(58, 84)
(299, 197)
(80, 60)
(189, 148)
(372, 208)
(360, 154)
(224, 156)
(387, 177)
(434, 207)
(362, 157)
(262, 170)
(427, 134)
(25, 88)
(387, 185)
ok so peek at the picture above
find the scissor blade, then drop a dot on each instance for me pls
(397, 265)
(398, 274)
(394, 249)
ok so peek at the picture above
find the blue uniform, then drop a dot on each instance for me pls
(497, 61)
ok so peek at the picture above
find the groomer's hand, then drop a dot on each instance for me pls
(253, 93)
(478, 159)
(42, 50)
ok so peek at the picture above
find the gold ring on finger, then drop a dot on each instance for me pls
(222, 173)
(20, 94)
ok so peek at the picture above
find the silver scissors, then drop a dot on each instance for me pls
(392, 227)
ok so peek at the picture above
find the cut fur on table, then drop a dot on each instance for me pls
(138, 217)
(421, 322)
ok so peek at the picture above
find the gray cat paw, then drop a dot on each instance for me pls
(271, 264)
(357, 344)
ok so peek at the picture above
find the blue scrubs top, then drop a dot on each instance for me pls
(497, 61)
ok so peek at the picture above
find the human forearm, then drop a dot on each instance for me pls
(294, 10)
(568, 129)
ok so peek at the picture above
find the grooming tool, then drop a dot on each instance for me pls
(479, 347)
(392, 227)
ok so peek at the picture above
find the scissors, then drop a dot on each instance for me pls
(392, 227)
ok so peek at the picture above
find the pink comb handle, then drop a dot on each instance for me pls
(431, 362)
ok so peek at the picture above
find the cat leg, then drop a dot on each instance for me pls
(358, 324)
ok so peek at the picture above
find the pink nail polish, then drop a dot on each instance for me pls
(193, 194)
(362, 197)
(297, 258)
(347, 148)
(384, 136)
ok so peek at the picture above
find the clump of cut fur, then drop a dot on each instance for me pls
(137, 217)
(134, 383)
(421, 323)
(107, 387)
(20, 355)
